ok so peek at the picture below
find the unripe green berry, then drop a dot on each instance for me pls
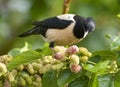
(36, 84)
(3, 69)
(45, 68)
(22, 81)
(83, 51)
(36, 65)
(8, 58)
(42, 70)
(30, 69)
(115, 64)
(38, 79)
(5, 59)
(46, 61)
(54, 61)
(10, 77)
(27, 78)
(74, 59)
(57, 66)
(48, 57)
(84, 58)
(14, 72)
(20, 67)
(89, 54)
(59, 49)
(40, 61)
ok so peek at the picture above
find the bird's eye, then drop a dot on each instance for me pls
(86, 27)
(90, 24)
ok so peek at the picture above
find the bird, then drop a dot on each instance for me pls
(64, 29)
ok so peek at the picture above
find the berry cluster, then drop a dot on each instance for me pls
(73, 54)
(113, 67)
(30, 74)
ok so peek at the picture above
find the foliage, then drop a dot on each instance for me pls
(42, 68)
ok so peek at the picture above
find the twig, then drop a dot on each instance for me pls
(66, 6)
(91, 62)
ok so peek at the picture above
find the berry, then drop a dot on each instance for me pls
(30, 69)
(75, 68)
(72, 50)
(59, 49)
(59, 55)
(74, 59)
(3, 69)
(84, 58)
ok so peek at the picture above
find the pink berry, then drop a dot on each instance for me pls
(58, 55)
(75, 68)
(72, 50)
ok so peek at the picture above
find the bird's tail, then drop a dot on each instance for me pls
(33, 31)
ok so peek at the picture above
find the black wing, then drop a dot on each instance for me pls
(42, 26)
(53, 22)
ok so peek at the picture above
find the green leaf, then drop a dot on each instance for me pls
(112, 82)
(45, 50)
(26, 47)
(49, 79)
(80, 82)
(66, 76)
(118, 60)
(17, 51)
(105, 54)
(115, 45)
(117, 79)
(14, 52)
(106, 81)
(93, 82)
(24, 57)
(98, 68)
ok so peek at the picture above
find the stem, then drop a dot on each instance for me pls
(91, 62)
(66, 6)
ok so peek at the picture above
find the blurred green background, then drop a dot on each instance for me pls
(16, 16)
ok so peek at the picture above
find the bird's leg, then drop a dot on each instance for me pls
(51, 45)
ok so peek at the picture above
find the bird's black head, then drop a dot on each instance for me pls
(90, 24)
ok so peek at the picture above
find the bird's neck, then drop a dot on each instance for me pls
(79, 29)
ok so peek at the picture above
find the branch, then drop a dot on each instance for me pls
(66, 6)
